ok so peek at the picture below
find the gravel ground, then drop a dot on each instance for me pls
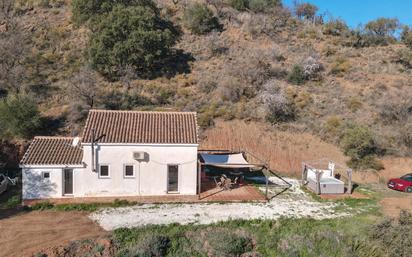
(293, 203)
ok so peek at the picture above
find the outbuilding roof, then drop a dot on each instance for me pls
(145, 127)
(52, 151)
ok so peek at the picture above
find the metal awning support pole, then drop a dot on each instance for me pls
(279, 177)
(199, 178)
(92, 145)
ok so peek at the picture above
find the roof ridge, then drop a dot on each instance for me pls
(141, 126)
(137, 111)
(53, 137)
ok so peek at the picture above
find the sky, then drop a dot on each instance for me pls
(356, 12)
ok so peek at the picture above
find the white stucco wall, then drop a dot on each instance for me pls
(36, 187)
(150, 177)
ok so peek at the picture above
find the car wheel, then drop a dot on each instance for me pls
(408, 190)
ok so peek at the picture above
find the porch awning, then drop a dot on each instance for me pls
(235, 160)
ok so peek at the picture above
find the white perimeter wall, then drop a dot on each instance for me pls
(35, 187)
(150, 177)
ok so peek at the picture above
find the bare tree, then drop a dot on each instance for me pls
(84, 86)
(127, 74)
(306, 11)
(14, 49)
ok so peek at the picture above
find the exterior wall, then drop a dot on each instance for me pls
(327, 187)
(36, 187)
(150, 175)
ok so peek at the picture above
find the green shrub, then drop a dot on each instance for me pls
(136, 37)
(13, 201)
(280, 108)
(223, 242)
(148, 246)
(333, 125)
(394, 237)
(381, 31)
(288, 237)
(77, 207)
(46, 205)
(340, 66)
(120, 203)
(359, 144)
(404, 57)
(306, 11)
(88, 207)
(240, 5)
(297, 75)
(367, 162)
(115, 100)
(324, 243)
(200, 19)
(262, 5)
(206, 115)
(44, 3)
(406, 36)
(354, 103)
(335, 27)
(254, 5)
(358, 141)
(84, 10)
(19, 116)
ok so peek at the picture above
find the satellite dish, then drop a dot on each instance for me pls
(76, 141)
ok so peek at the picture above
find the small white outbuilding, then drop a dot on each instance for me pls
(121, 153)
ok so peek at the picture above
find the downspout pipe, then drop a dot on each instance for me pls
(93, 158)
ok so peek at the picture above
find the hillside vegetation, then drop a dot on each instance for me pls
(253, 60)
(257, 238)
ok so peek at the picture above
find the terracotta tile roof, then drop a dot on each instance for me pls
(141, 127)
(52, 151)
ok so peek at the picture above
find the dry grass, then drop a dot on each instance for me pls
(284, 151)
(394, 167)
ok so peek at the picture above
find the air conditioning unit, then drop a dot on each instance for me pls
(139, 156)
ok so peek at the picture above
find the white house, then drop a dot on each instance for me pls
(121, 153)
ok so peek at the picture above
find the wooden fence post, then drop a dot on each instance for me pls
(349, 171)
(304, 177)
(318, 176)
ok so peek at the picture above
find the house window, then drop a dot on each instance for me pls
(128, 171)
(45, 175)
(104, 171)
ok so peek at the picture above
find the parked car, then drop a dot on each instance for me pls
(403, 183)
(4, 183)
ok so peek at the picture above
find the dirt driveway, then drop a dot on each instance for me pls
(392, 206)
(393, 202)
(26, 233)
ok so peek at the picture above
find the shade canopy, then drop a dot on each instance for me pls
(233, 160)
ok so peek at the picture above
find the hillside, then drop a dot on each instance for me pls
(291, 76)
